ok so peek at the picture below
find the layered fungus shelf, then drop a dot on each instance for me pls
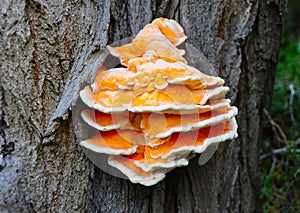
(157, 110)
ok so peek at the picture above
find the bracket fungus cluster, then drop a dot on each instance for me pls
(153, 113)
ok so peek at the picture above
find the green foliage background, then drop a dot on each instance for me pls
(280, 153)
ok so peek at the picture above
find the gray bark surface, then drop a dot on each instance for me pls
(46, 47)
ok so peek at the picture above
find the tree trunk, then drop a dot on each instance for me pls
(45, 49)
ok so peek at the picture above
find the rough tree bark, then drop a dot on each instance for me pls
(45, 46)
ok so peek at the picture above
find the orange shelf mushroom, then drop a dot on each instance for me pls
(152, 114)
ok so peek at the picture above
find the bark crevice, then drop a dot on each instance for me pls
(6, 148)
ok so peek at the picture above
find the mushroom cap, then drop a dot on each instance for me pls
(107, 101)
(171, 29)
(158, 125)
(209, 106)
(175, 97)
(152, 39)
(134, 173)
(183, 143)
(154, 75)
(115, 142)
(105, 122)
(170, 98)
(113, 79)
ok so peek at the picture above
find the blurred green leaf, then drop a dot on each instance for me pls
(280, 173)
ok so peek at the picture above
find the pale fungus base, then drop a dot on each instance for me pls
(151, 115)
